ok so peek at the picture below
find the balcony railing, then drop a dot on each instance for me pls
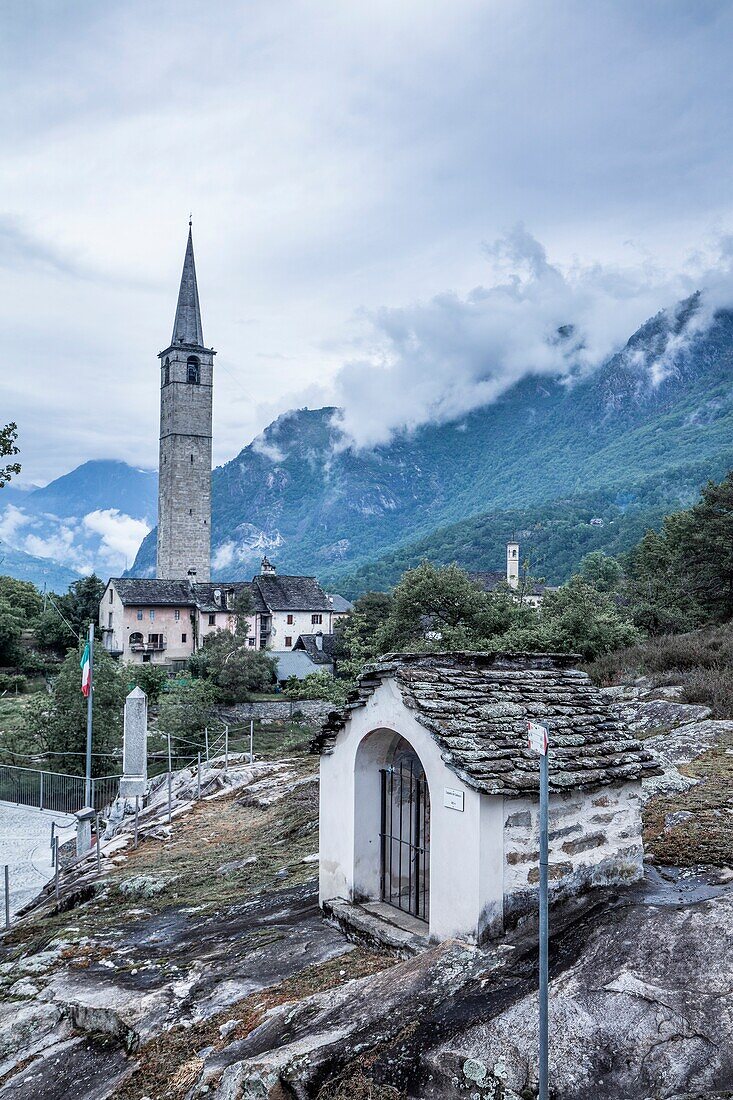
(149, 647)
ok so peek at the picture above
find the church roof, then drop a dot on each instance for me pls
(476, 706)
(282, 593)
(187, 327)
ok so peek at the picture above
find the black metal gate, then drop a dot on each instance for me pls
(405, 837)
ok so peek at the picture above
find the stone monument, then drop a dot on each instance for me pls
(135, 745)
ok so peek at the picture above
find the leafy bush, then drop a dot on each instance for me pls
(149, 678)
(317, 685)
(12, 682)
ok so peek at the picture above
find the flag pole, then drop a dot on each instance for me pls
(88, 784)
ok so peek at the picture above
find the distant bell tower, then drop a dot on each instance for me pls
(184, 474)
(512, 564)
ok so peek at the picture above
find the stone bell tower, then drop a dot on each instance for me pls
(184, 473)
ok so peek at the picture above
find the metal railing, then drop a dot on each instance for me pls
(55, 791)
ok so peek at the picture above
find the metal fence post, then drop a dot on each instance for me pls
(41, 791)
(93, 801)
(7, 896)
(251, 741)
(137, 808)
(53, 849)
(226, 749)
(198, 777)
(170, 778)
(99, 850)
(544, 930)
(56, 864)
(206, 741)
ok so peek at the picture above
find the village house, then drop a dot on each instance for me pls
(429, 794)
(154, 621)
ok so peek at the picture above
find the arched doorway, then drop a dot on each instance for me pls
(405, 832)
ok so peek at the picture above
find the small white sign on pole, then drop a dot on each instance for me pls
(537, 738)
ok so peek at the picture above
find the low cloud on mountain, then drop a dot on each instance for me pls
(435, 361)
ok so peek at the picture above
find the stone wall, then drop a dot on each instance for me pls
(595, 840)
(313, 710)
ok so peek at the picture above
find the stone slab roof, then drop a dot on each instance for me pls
(283, 593)
(476, 706)
(319, 656)
(150, 592)
(293, 662)
(340, 604)
(206, 600)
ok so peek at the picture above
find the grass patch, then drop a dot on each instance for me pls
(706, 837)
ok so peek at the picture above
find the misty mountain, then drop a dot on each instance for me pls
(660, 411)
(92, 518)
(39, 571)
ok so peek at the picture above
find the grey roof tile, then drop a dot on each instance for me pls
(476, 706)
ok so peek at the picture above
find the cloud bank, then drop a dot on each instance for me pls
(433, 362)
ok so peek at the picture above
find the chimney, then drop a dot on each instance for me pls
(217, 597)
(319, 640)
(512, 564)
(267, 568)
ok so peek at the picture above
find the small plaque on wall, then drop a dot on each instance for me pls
(453, 799)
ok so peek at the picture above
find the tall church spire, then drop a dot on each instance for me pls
(187, 325)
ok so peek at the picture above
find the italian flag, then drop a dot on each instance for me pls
(86, 671)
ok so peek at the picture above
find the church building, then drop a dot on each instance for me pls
(184, 467)
(164, 620)
(429, 795)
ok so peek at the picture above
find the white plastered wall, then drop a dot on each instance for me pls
(466, 848)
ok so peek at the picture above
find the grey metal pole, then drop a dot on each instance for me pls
(170, 778)
(137, 809)
(198, 777)
(206, 740)
(7, 896)
(99, 850)
(56, 863)
(251, 740)
(41, 792)
(53, 850)
(88, 784)
(544, 926)
(226, 749)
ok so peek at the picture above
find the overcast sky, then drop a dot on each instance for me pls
(393, 203)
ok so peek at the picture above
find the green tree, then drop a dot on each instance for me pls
(149, 678)
(357, 635)
(317, 685)
(228, 661)
(432, 607)
(20, 606)
(702, 541)
(8, 448)
(58, 721)
(576, 618)
(601, 571)
(187, 708)
(68, 616)
(654, 587)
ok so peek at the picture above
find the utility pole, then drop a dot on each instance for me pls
(538, 741)
(88, 784)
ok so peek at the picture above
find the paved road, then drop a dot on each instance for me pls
(25, 835)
